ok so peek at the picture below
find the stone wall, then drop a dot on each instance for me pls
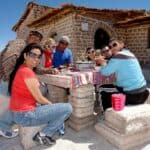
(70, 25)
(136, 38)
(61, 26)
(137, 41)
(35, 13)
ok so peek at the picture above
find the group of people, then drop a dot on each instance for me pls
(28, 106)
(118, 60)
(31, 108)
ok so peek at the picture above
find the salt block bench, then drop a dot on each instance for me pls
(26, 134)
(130, 120)
(123, 141)
(127, 128)
(148, 99)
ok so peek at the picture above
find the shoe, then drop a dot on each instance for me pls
(43, 140)
(9, 134)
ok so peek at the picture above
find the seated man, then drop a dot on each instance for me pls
(62, 56)
(129, 77)
(10, 54)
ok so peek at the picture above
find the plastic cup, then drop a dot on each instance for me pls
(118, 101)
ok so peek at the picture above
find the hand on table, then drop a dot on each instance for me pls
(52, 71)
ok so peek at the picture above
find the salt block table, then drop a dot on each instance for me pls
(81, 87)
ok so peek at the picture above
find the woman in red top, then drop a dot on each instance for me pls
(25, 95)
(49, 47)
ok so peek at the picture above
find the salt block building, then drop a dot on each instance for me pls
(88, 27)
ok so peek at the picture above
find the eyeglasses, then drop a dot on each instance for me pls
(89, 52)
(49, 46)
(33, 55)
(113, 45)
(64, 43)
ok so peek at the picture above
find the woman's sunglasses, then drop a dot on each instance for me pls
(49, 46)
(33, 55)
(113, 45)
(89, 52)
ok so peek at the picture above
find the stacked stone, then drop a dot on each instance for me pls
(127, 128)
(82, 100)
(57, 94)
(26, 135)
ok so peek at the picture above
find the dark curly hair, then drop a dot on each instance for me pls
(20, 61)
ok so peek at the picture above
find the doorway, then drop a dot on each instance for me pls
(101, 38)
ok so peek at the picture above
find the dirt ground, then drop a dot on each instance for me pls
(87, 139)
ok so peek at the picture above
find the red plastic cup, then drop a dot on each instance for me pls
(118, 101)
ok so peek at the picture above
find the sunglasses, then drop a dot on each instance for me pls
(49, 46)
(113, 45)
(105, 51)
(89, 52)
(64, 43)
(34, 55)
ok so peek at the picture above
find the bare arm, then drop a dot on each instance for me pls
(42, 70)
(33, 86)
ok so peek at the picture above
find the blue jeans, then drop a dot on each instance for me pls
(4, 88)
(53, 116)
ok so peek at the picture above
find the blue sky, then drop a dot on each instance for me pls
(11, 11)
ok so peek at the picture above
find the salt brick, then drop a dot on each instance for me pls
(78, 127)
(26, 135)
(81, 121)
(130, 120)
(123, 141)
(57, 94)
(83, 112)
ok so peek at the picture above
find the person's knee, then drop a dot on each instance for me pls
(68, 108)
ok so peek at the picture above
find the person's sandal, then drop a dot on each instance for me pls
(43, 140)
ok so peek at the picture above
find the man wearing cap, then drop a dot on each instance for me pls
(62, 56)
(10, 54)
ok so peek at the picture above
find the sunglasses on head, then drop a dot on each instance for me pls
(112, 45)
(50, 46)
(34, 55)
(105, 51)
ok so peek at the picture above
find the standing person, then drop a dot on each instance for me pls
(25, 94)
(129, 77)
(10, 54)
(62, 56)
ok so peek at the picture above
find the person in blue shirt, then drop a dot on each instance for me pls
(129, 77)
(62, 56)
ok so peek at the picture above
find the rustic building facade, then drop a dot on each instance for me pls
(89, 27)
